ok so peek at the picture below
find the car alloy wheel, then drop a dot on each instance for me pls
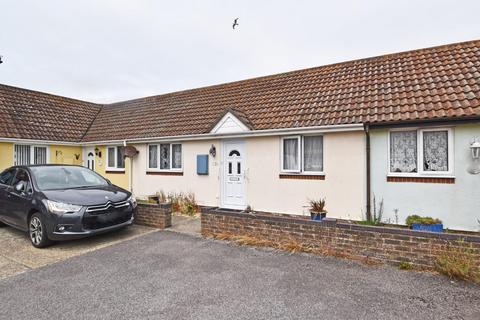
(36, 231)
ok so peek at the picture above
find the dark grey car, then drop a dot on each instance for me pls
(61, 202)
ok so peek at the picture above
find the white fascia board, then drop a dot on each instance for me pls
(252, 133)
(205, 136)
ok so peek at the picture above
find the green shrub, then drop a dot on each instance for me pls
(459, 262)
(404, 265)
(184, 203)
(422, 220)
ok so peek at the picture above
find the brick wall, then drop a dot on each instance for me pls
(154, 215)
(383, 244)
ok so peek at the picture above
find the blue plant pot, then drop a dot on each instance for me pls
(438, 227)
(318, 216)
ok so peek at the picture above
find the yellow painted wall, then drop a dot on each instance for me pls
(6, 155)
(66, 155)
(121, 179)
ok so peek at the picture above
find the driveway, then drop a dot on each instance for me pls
(18, 255)
(168, 275)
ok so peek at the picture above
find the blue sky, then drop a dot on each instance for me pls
(112, 50)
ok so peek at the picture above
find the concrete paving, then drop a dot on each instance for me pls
(18, 255)
(185, 224)
(168, 275)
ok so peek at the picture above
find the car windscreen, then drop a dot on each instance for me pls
(58, 177)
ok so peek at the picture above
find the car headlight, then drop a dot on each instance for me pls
(62, 208)
(132, 201)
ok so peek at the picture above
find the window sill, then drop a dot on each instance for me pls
(422, 179)
(301, 176)
(165, 173)
(110, 171)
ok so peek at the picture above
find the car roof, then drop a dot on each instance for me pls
(45, 165)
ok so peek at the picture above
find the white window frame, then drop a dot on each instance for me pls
(420, 171)
(115, 168)
(157, 169)
(32, 152)
(301, 155)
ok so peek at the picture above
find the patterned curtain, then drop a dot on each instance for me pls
(164, 156)
(435, 151)
(403, 151)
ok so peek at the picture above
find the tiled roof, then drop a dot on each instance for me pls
(427, 84)
(26, 114)
(434, 83)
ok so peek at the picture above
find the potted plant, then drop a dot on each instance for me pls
(317, 209)
(417, 222)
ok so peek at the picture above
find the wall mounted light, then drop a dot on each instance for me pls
(213, 151)
(475, 147)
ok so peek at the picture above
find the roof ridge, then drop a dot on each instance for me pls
(401, 53)
(10, 87)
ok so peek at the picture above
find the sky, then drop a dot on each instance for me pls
(113, 50)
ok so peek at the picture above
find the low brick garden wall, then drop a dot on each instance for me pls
(380, 244)
(154, 215)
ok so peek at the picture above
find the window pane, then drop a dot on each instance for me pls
(176, 156)
(403, 151)
(290, 154)
(111, 157)
(7, 176)
(22, 155)
(40, 155)
(435, 150)
(164, 156)
(120, 157)
(239, 168)
(313, 153)
(153, 156)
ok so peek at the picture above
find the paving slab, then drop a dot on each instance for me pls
(186, 224)
(18, 255)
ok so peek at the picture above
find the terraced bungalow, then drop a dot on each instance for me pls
(401, 127)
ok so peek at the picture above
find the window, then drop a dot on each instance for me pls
(116, 158)
(302, 154)
(22, 178)
(165, 157)
(29, 154)
(7, 176)
(421, 152)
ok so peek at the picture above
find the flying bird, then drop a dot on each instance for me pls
(235, 23)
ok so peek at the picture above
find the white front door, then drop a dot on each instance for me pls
(233, 175)
(89, 157)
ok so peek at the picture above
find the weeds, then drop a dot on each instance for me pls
(459, 262)
(404, 265)
(183, 203)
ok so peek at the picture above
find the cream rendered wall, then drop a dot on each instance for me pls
(205, 188)
(6, 155)
(343, 187)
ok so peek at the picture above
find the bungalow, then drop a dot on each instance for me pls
(398, 126)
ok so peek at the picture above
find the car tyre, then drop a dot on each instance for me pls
(37, 232)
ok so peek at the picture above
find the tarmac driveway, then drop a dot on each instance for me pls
(18, 255)
(167, 275)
